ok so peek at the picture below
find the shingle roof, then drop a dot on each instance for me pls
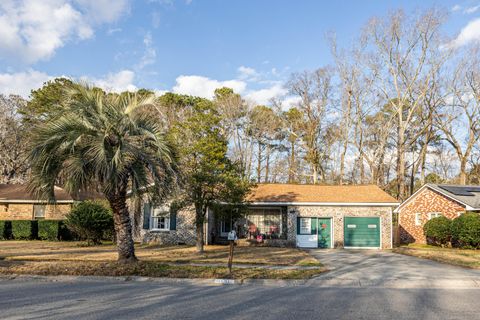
(468, 195)
(19, 192)
(319, 193)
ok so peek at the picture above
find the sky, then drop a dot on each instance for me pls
(190, 46)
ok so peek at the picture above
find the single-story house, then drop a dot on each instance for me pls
(306, 216)
(16, 203)
(433, 200)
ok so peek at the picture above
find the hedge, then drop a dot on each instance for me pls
(466, 231)
(438, 231)
(49, 229)
(24, 229)
(35, 229)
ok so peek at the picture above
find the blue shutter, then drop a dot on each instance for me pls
(298, 225)
(146, 215)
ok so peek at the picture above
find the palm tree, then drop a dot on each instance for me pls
(108, 141)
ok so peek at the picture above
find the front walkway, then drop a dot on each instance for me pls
(387, 269)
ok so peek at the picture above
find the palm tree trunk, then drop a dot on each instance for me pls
(123, 228)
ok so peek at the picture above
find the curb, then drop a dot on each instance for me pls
(194, 281)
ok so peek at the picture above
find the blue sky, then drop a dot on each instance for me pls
(188, 46)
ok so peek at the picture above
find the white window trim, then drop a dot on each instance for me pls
(309, 226)
(418, 218)
(157, 213)
(438, 214)
(44, 211)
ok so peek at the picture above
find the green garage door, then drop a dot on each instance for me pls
(362, 232)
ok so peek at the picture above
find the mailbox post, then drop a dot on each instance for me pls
(232, 236)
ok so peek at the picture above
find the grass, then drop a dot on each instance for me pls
(458, 257)
(147, 269)
(74, 258)
(77, 251)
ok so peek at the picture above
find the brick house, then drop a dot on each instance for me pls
(287, 215)
(433, 200)
(16, 203)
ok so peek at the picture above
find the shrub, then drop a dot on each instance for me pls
(438, 231)
(2, 230)
(24, 229)
(466, 231)
(90, 221)
(64, 234)
(48, 229)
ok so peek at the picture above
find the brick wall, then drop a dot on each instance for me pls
(24, 211)
(184, 233)
(424, 202)
(338, 213)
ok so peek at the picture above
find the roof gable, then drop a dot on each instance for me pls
(288, 193)
(468, 195)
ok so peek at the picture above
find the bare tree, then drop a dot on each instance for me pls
(314, 90)
(13, 141)
(461, 113)
(408, 50)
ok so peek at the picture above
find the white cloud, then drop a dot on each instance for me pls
(113, 30)
(114, 82)
(264, 96)
(204, 87)
(33, 30)
(103, 11)
(471, 10)
(149, 55)
(470, 33)
(290, 102)
(22, 83)
(247, 73)
(456, 8)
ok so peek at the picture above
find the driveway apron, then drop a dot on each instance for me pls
(378, 268)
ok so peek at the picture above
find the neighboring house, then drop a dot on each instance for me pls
(307, 216)
(16, 203)
(434, 200)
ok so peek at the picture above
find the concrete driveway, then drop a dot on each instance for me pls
(387, 269)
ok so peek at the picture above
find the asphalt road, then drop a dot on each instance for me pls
(361, 285)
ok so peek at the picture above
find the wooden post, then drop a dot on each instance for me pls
(230, 257)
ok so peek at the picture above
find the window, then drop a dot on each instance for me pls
(161, 218)
(266, 222)
(418, 219)
(39, 211)
(432, 215)
(305, 225)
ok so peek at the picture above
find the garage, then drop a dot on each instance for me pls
(362, 232)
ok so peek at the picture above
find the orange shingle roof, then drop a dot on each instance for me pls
(317, 193)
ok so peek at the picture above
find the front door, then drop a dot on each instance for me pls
(324, 232)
